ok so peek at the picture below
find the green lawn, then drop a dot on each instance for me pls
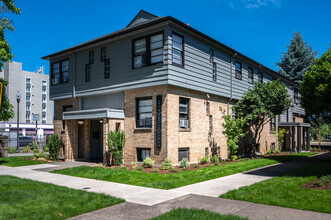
(170, 181)
(18, 161)
(286, 190)
(195, 214)
(27, 199)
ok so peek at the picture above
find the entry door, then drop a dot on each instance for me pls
(96, 140)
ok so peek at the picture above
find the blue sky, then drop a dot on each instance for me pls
(260, 29)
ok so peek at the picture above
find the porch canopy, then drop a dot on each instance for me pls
(93, 114)
(300, 136)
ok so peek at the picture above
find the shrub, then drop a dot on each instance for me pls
(115, 143)
(184, 164)
(154, 170)
(326, 178)
(54, 144)
(234, 157)
(167, 164)
(100, 165)
(196, 165)
(12, 150)
(318, 183)
(139, 168)
(123, 167)
(133, 164)
(46, 149)
(148, 162)
(173, 170)
(40, 154)
(204, 160)
(26, 149)
(215, 159)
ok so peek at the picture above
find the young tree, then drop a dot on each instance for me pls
(6, 109)
(316, 92)
(297, 60)
(259, 105)
(7, 6)
(116, 142)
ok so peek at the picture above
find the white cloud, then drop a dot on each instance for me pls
(253, 4)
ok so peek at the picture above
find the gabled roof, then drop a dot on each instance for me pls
(141, 17)
(144, 19)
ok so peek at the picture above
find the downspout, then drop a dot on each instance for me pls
(231, 84)
(74, 75)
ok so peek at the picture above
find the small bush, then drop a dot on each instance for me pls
(123, 167)
(133, 164)
(46, 149)
(154, 170)
(215, 159)
(26, 149)
(12, 150)
(100, 165)
(184, 164)
(139, 168)
(196, 165)
(204, 160)
(54, 144)
(234, 157)
(326, 179)
(148, 162)
(277, 151)
(167, 164)
(40, 155)
(318, 183)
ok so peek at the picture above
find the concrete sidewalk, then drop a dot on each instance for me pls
(223, 206)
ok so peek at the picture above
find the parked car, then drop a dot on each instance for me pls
(25, 141)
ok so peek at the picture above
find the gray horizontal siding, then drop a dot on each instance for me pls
(112, 101)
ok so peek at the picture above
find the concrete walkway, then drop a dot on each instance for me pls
(223, 206)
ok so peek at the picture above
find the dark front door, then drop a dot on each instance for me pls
(96, 140)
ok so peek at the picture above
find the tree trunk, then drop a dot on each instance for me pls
(319, 138)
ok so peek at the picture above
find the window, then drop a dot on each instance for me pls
(183, 153)
(156, 46)
(44, 108)
(184, 112)
(143, 153)
(43, 99)
(238, 70)
(214, 72)
(43, 82)
(287, 116)
(27, 116)
(103, 54)
(177, 50)
(260, 76)
(107, 69)
(117, 126)
(147, 50)
(27, 107)
(144, 112)
(139, 54)
(250, 75)
(43, 91)
(43, 121)
(273, 124)
(65, 71)
(91, 57)
(87, 73)
(28, 89)
(60, 72)
(295, 96)
(211, 55)
(218, 152)
(28, 98)
(28, 80)
(207, 108)
(210, 123)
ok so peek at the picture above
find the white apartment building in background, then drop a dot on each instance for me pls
(34, 90)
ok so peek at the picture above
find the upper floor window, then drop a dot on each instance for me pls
(103, 54)
(28, 98)
(177, 49)
(214, 72)
(28, 80)
(107, 69)
(43, 99)
(147, 50)
(43, 82)
(60, 72)
(144, 112)
(91, 57)
(87, 73)
(238, 70)
(211, 55)
(260, 76)
(43, 91)
(273, 124)
(184, 112)
(250, 75)
(296, 96)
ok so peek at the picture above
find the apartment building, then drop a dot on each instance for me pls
(163, 83)
(34, 90)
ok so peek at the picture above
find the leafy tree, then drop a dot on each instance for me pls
(316, 92)
(297, 60)
(115, 143)
(233, 130)
(6, 110)
(54, 144)
(261, 103)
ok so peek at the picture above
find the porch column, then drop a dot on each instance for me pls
(299, 139)
(293, 138)
(308, 138)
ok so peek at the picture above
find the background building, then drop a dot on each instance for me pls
(34, 90)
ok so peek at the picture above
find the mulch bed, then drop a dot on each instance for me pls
(48, 160)
(311, 185)
(192, 166)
